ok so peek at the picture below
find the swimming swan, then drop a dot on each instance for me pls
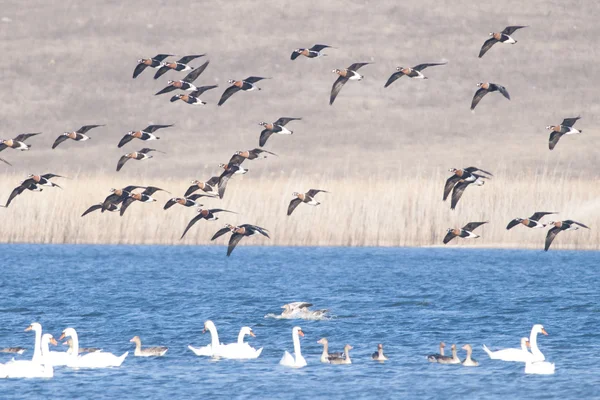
(298, 361)
(239, 350)
(97, 359)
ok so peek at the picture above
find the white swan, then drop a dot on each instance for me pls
(37, 353)
(539, 367)
(239, 350)
(98, 359)
(214, 345)
(288, 360)
(299, 310)
(33, 369)
(522, 354)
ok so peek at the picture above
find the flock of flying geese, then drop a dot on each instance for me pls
(120, 199)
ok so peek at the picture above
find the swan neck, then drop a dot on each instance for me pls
(296, 340)
(214, 337)
(241, 336)
(533, 342)
(75, 341)
(37, 346)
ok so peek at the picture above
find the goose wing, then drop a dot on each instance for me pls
(24, 136)
(264, 136)
(512, 224)
(393, 78)
(154, 128)
(230, 91)
(122, 162)
(91, 209)
(449, 236)
(284, 120)
(126, 203)
(550, 237)
(313, 192)
(421, 67)
(220, 233)
(86, 128)
(319, 47)
(450, 182)
(196, 93)
(233, 241)
(139, 69)
(477, 97)
(357, 66)
(486, 46)
(192, 76)
(537, 215)
(554, 138)
(335, 89)
(471, 226)
(293, 204)
(569, 121)
(190, 224)
(187, 59)
(124, 140)
(509, 30)
(475, 169)
(254, 79)
(457, 193)
(59, 140)
(570, 221)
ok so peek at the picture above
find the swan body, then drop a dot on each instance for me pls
(519, 355)
(539, 368)
(98, 359)
(32, 369)
(239, 350)
(37, 350)
(211, 349)
(295, 361)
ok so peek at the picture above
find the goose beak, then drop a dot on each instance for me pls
(544, 332)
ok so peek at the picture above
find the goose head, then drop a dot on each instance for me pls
(467, 348)
(348, 347)
(135, 339)
(323, 341)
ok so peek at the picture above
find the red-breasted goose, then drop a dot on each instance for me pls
(344, 76)
(307, 198)
(485, 88)
(79, 135)
(144, 197)
(499, 37)
(246, 85)
(145, 134)
(466, 232)
(240, 156)
(463, 174)
(238, 232)
(208, 187)
(18, 143)
(154, 62)
(230, 170)
(186, 83)
(414, 72)
(188, 201)
(531, 222)
(313, 52)
(111, 207)
(136, 155)
(33, 183)
(275, 127)
(193, 98)
(565, 128)
(207, 214)
(117, 196)
(179, 65)
(558, 226)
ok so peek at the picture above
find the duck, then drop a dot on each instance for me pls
(144, 197)
(450, 359)
(207, 214)
(214, 345)
(307, 198)
(465, 232)
(559, 226)
(345, 359)
(194, 97)
(313, 52)
(275, 127)
(71, 349)
(295, 361)
(511, 354)
(435, 357)
(158, 351)
(99, 359)
(136, 155)
(378, 355)
(145, 134)
(179, 65)
(414, 72)
(18, 143)
(500, 37)
(33, 183)
(186, 83)
(485, 88)
(301, 310)
(154, 62)
(229, 171)
(246, 85)
(79, 135)
(189, 201)
(238, 232)
(208, 187)
(111, 207)
(13, 350)
(240, 350)
(468, 361)
(117, 196)
(531, 222)
(240, 156)
(325, 355)
(565, 128)
(464, 174)
(40, 369)
(344, 76)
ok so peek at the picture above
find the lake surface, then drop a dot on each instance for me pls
(409, 299)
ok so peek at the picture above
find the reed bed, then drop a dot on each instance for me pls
(406, 211)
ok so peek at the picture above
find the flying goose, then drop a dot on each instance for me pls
(463, 174)
(136, 155)
(414, 72)
(246, 85)
(275, 127)
(307, 198)
(117, 196)
(208, 186)
(344, 76)
(193, 98)
(558, 226)
(313, 52)
(208, 214)
(238, 232)
(154, 62)
(565, 128)
(531, 222)
(18, 143)
(179, 65)
(485, 88)
(240, 156)
(144, 197)
(78, 135)
(145, 134)
(466, 232)
(33, 183)
(186, 82)
(499, 37)
(111, 207)
(188, 201)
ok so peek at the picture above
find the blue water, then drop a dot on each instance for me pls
(408, 299)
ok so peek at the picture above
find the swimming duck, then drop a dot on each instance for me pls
(378, 355)
(144, 197)
(208, 214)
(246, 85)
(117, 196)
(275, 127)
(111, 207)
(307, 198)
(499, 37)
(344, 76)
(414, 72)
(186, 82)
(485, 88)
(531, 222)
(466, 232)
(136, 155)
(468, 361)
(145, 134)
(238, 232)
(450, 359)
(154, 62)
(565, 128)
(434, 357)
(179, 65)
(240, 156)
(33, 183)
(345, 359)
(230, 170)
(18, 143)
(193, 98)
(463, 174)
(158, 351)
(313, 52)
(207, 187)
(558, 226)
(78, 135)
(188, 201)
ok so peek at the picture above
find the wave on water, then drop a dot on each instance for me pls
(305, 316)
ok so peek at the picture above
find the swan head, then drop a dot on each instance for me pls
(527, 343)
(48, 338)
(209, 325)
(135, 339)
(36, 327)
(246, 330)
(539, 328)
(323, 341)
(298, 331)
(69, 332)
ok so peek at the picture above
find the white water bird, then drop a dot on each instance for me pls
(239, 350)
(211, 349)
(41, 368)
(295, 361)
(97, 359)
